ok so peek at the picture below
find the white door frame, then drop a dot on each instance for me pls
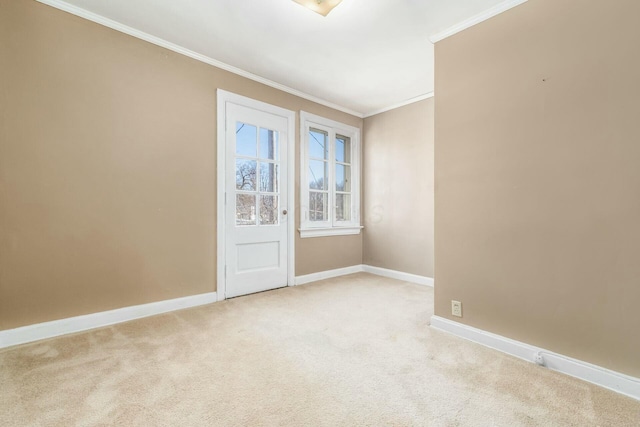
(224, 97)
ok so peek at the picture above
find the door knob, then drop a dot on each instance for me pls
(284, 212)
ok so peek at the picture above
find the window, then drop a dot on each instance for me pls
(257, 175)
(329, 177)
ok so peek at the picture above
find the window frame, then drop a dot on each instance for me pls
(331, 227)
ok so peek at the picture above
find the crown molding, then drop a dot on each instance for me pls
(99, 19)
(489, 13)
(107, 22)
(400, 104)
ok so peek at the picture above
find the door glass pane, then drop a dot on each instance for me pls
(245, 209)
(343, 207)
(268, 144)
(318, 205)
(343, 178)
(318, 175)
(318, 144)
(343, 149)
(246, 175)
(269, 210)
(246, 140)
(268, 177)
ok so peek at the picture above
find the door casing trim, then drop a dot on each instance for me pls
(223, 97)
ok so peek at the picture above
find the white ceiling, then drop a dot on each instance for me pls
(365, 56)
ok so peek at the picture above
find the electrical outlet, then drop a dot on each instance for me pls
(456, 308)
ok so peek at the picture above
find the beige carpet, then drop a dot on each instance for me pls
(352, 351)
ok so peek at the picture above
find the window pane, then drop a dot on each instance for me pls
(268, 144)
(318, 144)
(343, 149)
(246, 139)
(268, 177)
(245, 175)
(343, 178)
(318, 205)
(343, 207)
(269, 210)
(317, 175)
(245, 209)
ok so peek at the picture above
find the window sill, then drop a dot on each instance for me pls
(332, 231)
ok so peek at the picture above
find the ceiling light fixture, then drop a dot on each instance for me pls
(323, 7)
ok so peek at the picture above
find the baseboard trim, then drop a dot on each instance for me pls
(399, 275)
(393, 274)
(40, 331)
(328, 274)
(615, 381)
(55, 328)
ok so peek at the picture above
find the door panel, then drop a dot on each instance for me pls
(258, 256)
(256, 200)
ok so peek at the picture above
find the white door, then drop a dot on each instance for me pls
(256, 213)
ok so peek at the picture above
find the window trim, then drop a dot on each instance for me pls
(332, 227)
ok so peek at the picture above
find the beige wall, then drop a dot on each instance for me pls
(398, 197)
(108, 169)
(538, 178)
